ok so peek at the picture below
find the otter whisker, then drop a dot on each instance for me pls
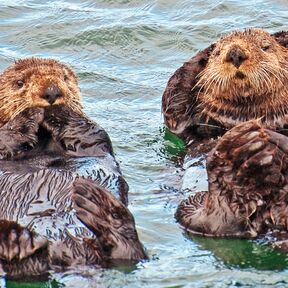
(274, 72)
(220, 82)
(19, 110)
(202, 82)
(211, 79)
(200, 74)
(7, 104)
(264, 78)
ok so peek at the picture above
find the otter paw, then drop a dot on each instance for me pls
(20, 134)
(97, 207)
(248, 151)
(27, 120)
(17, 242)
(77, 135)
(56, 118)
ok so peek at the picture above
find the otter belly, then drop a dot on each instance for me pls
(41, 200)
(43, 194)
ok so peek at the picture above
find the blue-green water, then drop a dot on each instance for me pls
(124, 52)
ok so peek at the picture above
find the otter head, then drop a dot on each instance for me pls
(246, 74)
(37, 82)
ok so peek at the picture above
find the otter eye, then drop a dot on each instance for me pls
(115, 214)
(265, 46)
(20, 83)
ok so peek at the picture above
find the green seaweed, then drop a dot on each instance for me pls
(173, 144)
(241, 253)
(30, 284)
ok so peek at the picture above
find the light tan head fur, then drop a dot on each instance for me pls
(32, 82)
(246, 77)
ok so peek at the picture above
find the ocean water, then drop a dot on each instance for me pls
(124, 51)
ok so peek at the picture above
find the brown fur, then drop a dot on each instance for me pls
(210, 89)
(23, 85)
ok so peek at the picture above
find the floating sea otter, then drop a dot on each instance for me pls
(58, 175)
(243, 77)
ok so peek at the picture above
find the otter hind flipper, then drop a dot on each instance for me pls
(109, 219)
(249, 168)
(179, 100)
(247, 176)
(22, 252)
(17, 242)
(255, 154)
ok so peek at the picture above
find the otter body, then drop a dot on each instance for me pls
(243, 77)
(63, 197)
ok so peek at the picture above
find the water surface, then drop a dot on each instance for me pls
(124, 52)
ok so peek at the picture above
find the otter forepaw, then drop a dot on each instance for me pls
(77, 135)
(17, 242)
(29, 119)
(249, 151)
(56, 119)
(19, 135)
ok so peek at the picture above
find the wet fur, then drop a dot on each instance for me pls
(247, 196)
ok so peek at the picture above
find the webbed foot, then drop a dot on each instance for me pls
(249, 168)
(109, 219)
(17, 242)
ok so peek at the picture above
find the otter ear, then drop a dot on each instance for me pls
(179, 100)
(282, 38)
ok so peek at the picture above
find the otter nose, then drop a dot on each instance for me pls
(236, 56)
(52, 93)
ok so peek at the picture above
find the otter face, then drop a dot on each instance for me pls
(245, 64)
(37, 82)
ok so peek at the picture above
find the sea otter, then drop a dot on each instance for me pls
(239, 85)
(63, 197)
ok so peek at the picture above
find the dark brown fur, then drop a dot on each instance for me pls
(248, 194)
